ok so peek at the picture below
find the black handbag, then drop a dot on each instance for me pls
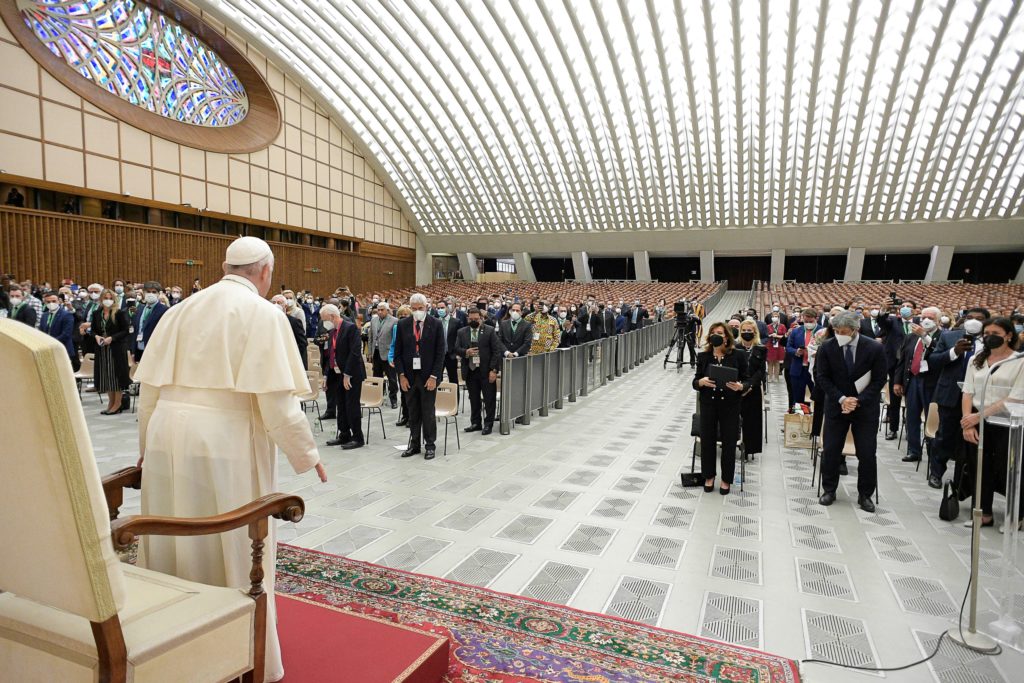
(963, 476)
(691, 479)
(949, 507)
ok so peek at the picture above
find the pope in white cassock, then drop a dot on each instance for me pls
(220, 379)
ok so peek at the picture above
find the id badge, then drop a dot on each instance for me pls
(536, 336)
(475, 361)
(417, 363)
(139, 337)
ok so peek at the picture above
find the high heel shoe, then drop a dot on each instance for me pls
(708, 488)
(724, 491)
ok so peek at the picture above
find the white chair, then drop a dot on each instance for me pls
(371, 399)
(446, 405)
(931, 428)
(311, 399)
(69, 610)
(86, 373)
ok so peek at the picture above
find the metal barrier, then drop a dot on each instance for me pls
(537, 383)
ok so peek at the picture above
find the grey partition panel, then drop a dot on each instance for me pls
(535, 368)
(513, 391)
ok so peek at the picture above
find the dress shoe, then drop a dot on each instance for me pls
(827, 498)
(890, 436)
(912, 458)
(843, 469)
(472, 428)
(935, 482)
(404, 422)
(411, 451)
(486, 430)
(394, 404)
(339, 442)
(429, 455)
(352, 445)
(724, 491)
(865, 504)
(708, 488)
(328, 416)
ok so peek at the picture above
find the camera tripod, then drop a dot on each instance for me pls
(680, 340)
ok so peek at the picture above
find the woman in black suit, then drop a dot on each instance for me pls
(719, 406)
(752, 404)
(110, 327)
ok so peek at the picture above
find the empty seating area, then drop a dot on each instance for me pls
(1000, 299)
(649, 293)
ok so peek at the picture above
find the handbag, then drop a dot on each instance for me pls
(798, 428)
(949, 507)
(691, 479)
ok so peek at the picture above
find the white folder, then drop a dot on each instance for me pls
(862, 382)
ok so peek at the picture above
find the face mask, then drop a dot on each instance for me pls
(119, 289)
(328, 325)
(516, 315)
(52, 306)
(994, 341)
(376, 300)
(972, 326)
(775, 308)
(906, 311)
(874, 312)
(747, 336)
(107, 303)
(442, 312)
(844, 339)
(462, 309)
(419, 316)
(544, 308)
(474, 324)
(572, 310)
(775, 319)
(15, 300)
(716, 340)
(944, 320)
(1018, 327)
(749, 317)
(309, 300)
(928, 324)
(175, 295)
(289, 301)
(809, 326)
(95, 296)
(618, 311)
(151, 298)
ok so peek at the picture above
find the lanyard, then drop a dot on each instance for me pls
(49, 321)
(417, 333)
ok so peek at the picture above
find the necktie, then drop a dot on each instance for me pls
(915, 365)
(635, 311)
(848, 352)
(874, 326)
(475, 333)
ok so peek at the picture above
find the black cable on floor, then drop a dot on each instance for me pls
(938, 643)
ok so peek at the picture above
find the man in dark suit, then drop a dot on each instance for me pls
(777, 312)
(949, 358)
(20, 309)
(59, 323)
(607, 320)
(419, 361)
(636, 316)
(869, 325)
(480, 351)
(915, 378)
(345, 374)
(841, 362)
(515, 334)
(146, 318)
(450, 326)
(893, 329)
(588, 324)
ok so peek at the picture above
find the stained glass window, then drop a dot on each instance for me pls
(142, 56)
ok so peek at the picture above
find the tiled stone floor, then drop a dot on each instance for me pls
(584, 508)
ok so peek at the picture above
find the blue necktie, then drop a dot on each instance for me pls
(849, 359)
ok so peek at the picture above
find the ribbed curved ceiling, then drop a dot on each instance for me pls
(567, 115)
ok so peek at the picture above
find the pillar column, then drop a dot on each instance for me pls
(1020, 274)
(707, 266)
(778, 265)
(467, 264)
(938, 266)
(524, 266)
(581, 266)
(854, 264)
(424, 265)
(642, 264)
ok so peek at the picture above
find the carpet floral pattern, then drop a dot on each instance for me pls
(500, 638)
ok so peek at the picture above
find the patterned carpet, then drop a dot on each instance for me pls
(500, 638)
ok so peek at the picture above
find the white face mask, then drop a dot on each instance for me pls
(972, 326)
(175, 295)
(419, 316)
(15, 300)
(151, 298)
(328, 325)
(95, 296)
(107, 303)
(516, 315)
(544, 309)
(119, 289)
(775, 319)
(928, 324)
(944, 320)
(52, 306)
(809, 326)
(874, 312)
(844, 339)
(290, 301)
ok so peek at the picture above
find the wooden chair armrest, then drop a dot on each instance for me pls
(115, 484)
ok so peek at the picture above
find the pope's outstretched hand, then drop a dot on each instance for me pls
(321, 472)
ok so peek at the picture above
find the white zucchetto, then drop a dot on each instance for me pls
(246, 250)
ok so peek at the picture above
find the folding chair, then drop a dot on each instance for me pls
(741, 451)
(446, 405)
(371, 399)
(931, 429)
(135, 387)
(313, 397)
(85, 373)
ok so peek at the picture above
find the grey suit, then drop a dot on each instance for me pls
(380, 344)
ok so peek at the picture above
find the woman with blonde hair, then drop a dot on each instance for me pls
(110, 327)
(719, 405)
(752, 403)
(404, 311)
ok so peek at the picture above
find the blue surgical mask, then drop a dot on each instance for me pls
(1018, 327)
(906, 311)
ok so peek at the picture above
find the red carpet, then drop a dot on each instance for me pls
(324, 643)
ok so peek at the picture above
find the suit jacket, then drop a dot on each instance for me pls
(431, 348)
(348, 351)
(757, 364)
(380, 335)
(518, 342)
(596, 328)
(26, 315)
(61, 327)
(835, 381)
(147, 331)
(607, 323)
(950, 371)
(454, 325)
(737, 359)
(868, 330)
(116, 328)
(891, 328)
(488, 345)
(299, 332)
(903, 374)
(641, 314)
(797, 340)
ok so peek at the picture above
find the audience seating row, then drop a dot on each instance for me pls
(1000, 299)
